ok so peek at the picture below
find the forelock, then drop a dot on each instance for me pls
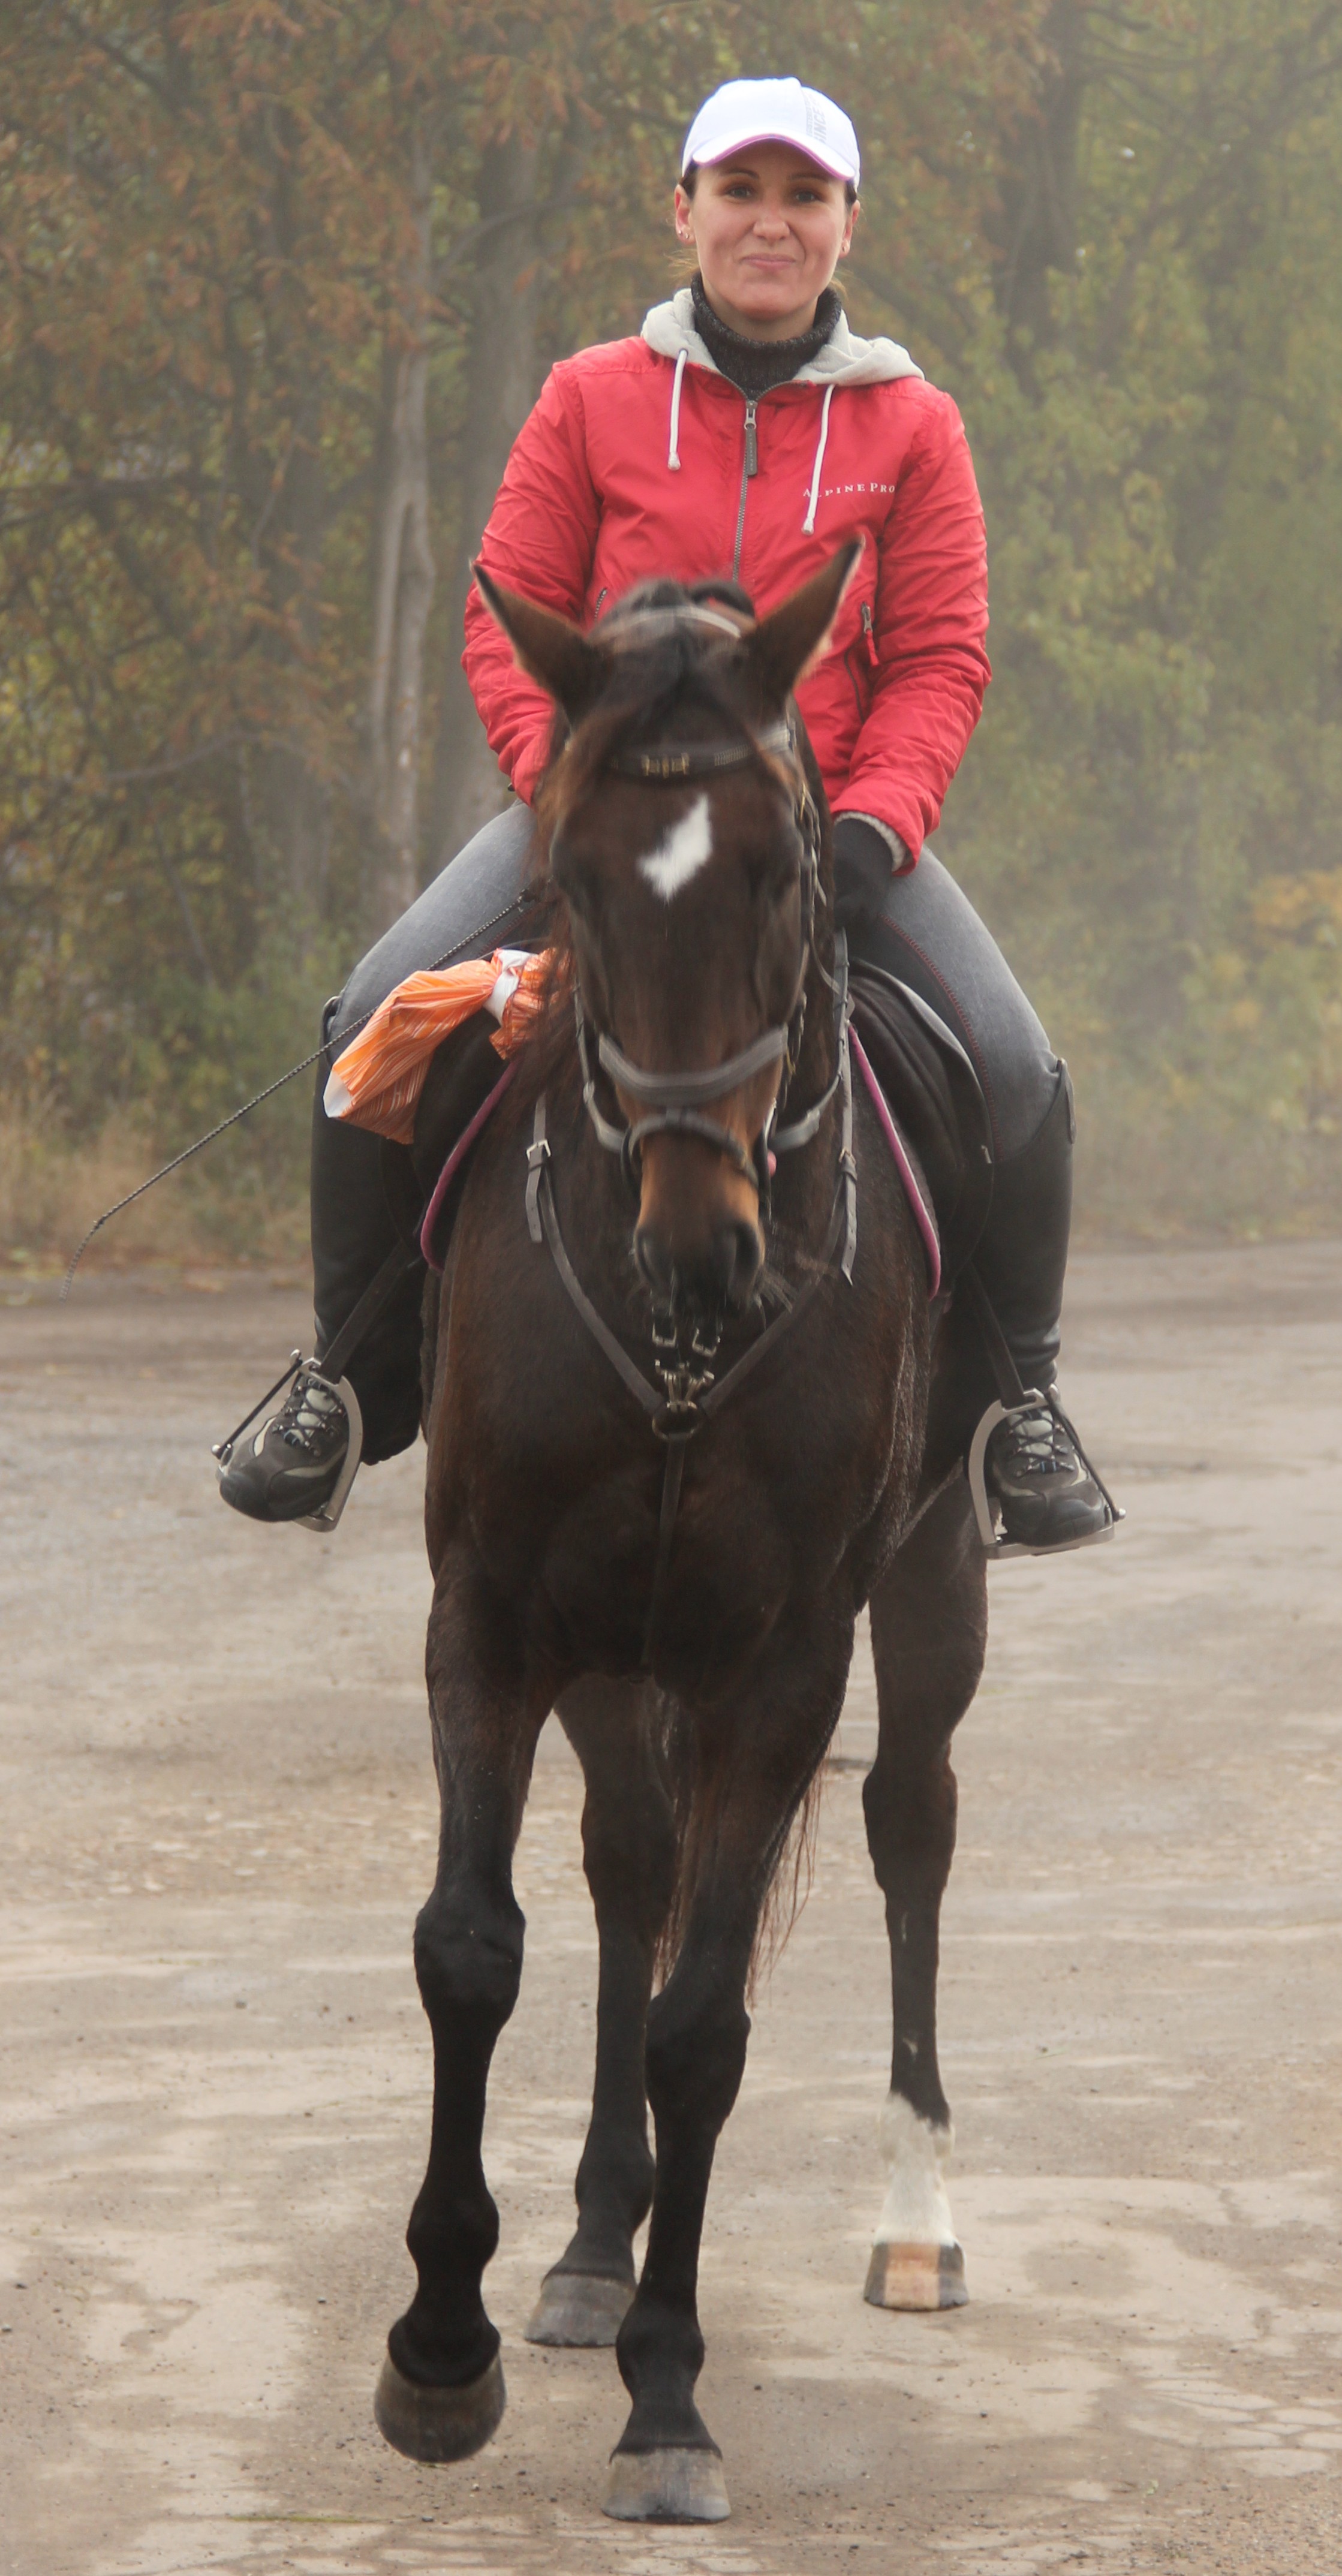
(677, 669)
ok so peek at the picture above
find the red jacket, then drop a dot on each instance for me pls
(632, 465)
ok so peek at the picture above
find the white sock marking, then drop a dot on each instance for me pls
(687, 846)
(916, 2211)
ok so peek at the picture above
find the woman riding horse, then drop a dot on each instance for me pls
(742, 437)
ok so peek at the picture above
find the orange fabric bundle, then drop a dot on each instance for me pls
(377, 1081)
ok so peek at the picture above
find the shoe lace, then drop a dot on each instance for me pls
(1038, 1444)
(307, 1411)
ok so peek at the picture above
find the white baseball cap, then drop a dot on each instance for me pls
(774, 111)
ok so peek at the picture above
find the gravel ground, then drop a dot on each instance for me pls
(217, 1825)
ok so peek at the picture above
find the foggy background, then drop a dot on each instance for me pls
(278, 286)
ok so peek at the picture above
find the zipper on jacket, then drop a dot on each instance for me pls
(869, 637)
(750, 466)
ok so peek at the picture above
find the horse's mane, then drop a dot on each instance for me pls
(673, 669)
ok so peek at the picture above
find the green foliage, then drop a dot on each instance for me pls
(1160, 760)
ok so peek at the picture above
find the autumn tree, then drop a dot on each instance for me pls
(277, 286)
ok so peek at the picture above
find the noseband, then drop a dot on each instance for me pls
(675, 1101)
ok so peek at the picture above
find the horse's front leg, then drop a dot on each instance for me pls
(928, 1632)
(757, 1763)
(628, 1849)
(441, 2392)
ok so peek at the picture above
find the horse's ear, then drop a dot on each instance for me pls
(547, 647)
(793, 638)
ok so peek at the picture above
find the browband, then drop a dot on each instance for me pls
(666, 767)
(624, 635)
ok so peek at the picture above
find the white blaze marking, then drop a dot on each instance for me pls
(916, 2211)
(687, 846)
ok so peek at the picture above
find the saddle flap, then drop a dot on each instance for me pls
(933, 1092)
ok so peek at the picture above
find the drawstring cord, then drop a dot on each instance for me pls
(808, 523)
(673, 444)
(673, 451)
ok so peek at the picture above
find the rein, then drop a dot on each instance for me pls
(691, 1392)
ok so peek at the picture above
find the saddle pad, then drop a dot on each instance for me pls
(935, 1103)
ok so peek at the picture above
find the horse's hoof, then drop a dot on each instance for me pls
(666, 2486)
(916, 2276)
(579, 2309)
(438, 2423)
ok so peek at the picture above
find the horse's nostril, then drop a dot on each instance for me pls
(737, 1254)
(654, 1261)
(721, 1274)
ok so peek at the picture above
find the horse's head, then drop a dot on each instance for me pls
(685, 839)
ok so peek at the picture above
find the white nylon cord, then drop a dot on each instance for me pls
(673, 451)
(808, 523)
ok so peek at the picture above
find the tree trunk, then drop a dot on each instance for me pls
(291, 796)
(467, 784)
(281, 471)
(403, 573)
(1035, 232)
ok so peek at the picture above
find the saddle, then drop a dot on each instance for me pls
(933, 1095)
(926, 1079)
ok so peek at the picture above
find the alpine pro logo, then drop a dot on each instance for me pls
(837, 491)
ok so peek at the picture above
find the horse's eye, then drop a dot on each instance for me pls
(566, 868)
(773, 875)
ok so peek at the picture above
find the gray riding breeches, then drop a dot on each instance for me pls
(929, 936)
(943, 949)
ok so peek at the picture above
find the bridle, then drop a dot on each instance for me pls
(690, 1392)
(675, 1102)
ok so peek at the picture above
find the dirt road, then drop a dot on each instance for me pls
(217, 1823)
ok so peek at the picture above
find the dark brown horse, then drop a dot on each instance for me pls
(679, 1433)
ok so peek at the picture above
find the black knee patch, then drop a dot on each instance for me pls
(467, 1967)
(695, 2058)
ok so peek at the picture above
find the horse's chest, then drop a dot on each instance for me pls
(761, 1523)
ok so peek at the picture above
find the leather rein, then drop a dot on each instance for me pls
(690, 1392)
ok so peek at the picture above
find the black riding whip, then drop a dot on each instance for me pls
(448, 958)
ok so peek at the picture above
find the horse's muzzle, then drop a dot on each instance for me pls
(715, 1274)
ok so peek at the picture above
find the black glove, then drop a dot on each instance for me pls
(863, 868)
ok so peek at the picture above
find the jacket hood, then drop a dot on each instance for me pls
(844, 359)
